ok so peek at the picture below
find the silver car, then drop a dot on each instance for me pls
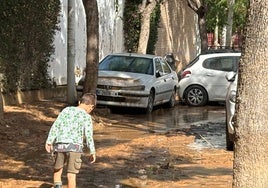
(135, 80)
(230, 109)
(203, 79)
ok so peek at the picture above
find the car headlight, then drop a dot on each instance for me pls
(135, 88)
(233, 96)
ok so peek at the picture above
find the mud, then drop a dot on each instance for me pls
(170, 148)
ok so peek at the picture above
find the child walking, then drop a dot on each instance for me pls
(66, 138)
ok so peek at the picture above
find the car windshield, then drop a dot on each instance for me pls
(127, 64)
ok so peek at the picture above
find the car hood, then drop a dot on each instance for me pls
(122, 78)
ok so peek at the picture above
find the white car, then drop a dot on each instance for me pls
(135, 80)
(230, 109)
(203, 79)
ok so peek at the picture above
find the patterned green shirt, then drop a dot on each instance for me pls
(72, 124)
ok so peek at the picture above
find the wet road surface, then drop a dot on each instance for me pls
(206, 123)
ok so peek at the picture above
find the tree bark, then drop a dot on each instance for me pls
(229, 26)
(1, 108)
(146, 9)
(92, 56)
(199, 8)
(216, 34)
(71, 53)
(251, 144)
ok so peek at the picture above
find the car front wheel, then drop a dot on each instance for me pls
(196, 96)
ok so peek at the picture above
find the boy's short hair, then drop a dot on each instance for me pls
(89, 99)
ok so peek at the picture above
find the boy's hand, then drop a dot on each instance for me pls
(92, 158)
(49, 148)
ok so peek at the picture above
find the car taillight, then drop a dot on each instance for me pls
(185, 74)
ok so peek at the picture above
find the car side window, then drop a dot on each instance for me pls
(221, 63)
(158, 66)
(165, 66)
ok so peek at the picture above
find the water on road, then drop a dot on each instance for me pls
(206, 123)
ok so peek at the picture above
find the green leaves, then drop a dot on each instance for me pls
(218, 11)
(26, 34)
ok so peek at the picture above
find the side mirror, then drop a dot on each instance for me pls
(230, 76)
(170, 60)
(157, 74)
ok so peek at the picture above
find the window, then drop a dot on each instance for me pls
(127, 64)
(158, 66)
(221, 63)
(165, 66)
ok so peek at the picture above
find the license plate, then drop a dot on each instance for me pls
(106, 92)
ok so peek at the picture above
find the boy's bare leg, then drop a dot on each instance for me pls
(71, 180)
(57, 175)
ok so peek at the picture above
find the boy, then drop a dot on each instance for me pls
(65, 138)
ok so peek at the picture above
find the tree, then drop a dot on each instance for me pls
(216, 18)
(229, 27)
(71, 52)
(200, 9)
(251, 143)
(26, 34)
(1, 108)
(92, 56)
(146, 9)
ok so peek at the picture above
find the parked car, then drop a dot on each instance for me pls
(135, 80)
(230, 109)
(203, 79)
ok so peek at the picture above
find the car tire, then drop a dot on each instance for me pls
(172, 100)
(229, 142)
(150, 104)
(195, 96)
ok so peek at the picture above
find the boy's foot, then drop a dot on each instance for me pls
(58, 186)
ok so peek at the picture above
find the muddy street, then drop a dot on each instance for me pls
(206, 123)
(180, 147)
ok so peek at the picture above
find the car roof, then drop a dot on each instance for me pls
(136, 55)
(212, 51)
(220, 54)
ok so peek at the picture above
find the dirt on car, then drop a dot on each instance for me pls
(128, 153)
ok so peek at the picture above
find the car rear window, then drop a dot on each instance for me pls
(221, 63)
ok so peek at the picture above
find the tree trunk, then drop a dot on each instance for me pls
(1, 108)
(216, 34)
(200, 10)
(92, 56)
(146, 10)
(229, 27)
(71, 53)
(251, 144)
(223, 36)
(203, 33)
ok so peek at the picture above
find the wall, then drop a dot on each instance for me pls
(59, 93)
(178, 32)
(111, 37)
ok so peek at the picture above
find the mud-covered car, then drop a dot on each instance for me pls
(134, 80)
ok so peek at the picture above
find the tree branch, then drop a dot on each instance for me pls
(192, 5)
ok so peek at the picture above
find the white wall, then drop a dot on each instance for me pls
(110, 37)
